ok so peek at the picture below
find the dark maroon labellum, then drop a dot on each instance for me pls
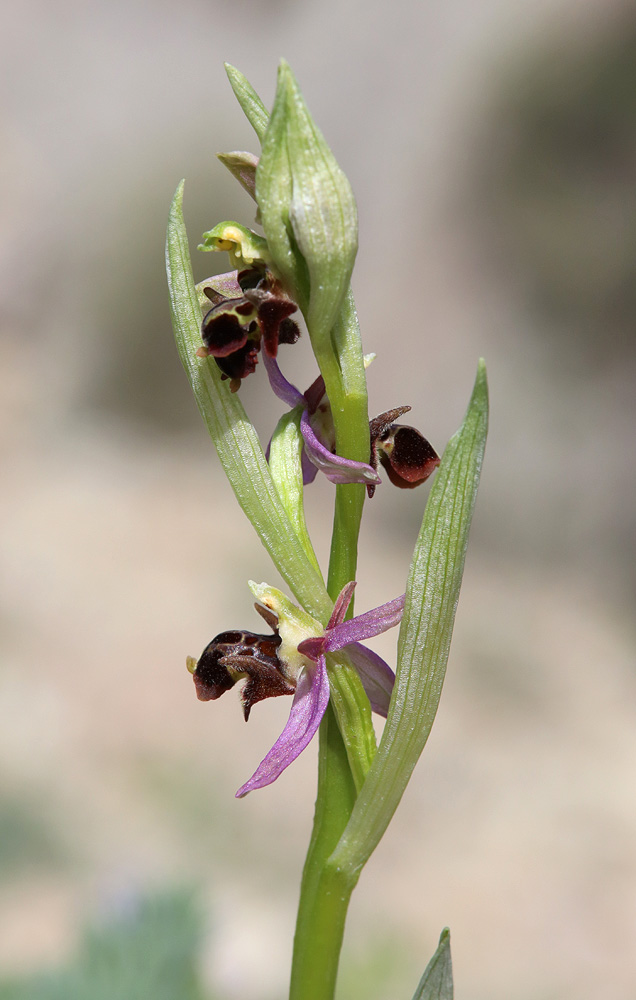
(407, 456)
(234, 655)
(223, 332)
(274, 309)
(239, 364)
(232, 331)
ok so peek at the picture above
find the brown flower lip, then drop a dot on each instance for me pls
(236, 654)
(255, 312)
(407, 456)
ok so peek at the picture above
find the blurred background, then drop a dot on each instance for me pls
(492, 149)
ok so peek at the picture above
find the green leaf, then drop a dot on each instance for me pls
(285, 466)
(353, 712)
(233, 433)
(425, 633)
(253, 108)
(437, 981)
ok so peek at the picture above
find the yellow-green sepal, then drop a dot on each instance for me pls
(244, 247)
(294, 625)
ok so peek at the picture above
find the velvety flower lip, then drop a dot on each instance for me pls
(236, 655)
(312, 690)
(249, 310)
(317, 455)
(406, 455)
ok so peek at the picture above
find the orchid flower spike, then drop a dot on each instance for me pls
(293, 661)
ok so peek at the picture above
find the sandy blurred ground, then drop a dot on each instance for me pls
(121, 549)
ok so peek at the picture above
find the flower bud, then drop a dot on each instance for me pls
(307, 209)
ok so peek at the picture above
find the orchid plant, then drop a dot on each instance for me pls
(314, 651)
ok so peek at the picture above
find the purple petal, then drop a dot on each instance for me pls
(338, 470)
(313, 647)
(310, 471)
(364, 626)
(376, 676)
(314, 394)
(308, 708)
(343, 600)
(283, 389)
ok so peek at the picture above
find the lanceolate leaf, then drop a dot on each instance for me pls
(437, 981)
(425, 634)
(285, 465)
(253, 108)
(233, 434)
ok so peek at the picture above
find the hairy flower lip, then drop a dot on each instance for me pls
(249, 310)
(239, 654)
(312, 689)
(406, 455)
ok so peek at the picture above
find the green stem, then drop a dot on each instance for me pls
(324, 891)
(343, 763)
(343, 561)
(349, 407)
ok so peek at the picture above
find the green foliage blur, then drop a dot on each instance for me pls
(149, 951)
